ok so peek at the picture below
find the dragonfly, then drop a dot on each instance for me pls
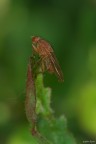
(48, 59)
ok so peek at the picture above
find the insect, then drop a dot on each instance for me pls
(48, 59)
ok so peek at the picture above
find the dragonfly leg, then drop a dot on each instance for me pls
(47, 65)
(43, 66)
(35, 48)
(37, 63)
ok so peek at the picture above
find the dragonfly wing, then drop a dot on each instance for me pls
(57, 68)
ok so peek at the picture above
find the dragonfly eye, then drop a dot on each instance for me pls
(35, 39)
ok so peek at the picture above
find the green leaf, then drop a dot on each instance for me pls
(56, 131)
(43, 97)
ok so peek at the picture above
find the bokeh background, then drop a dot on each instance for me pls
(70, 26)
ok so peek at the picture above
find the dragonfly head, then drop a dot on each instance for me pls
(35, 39)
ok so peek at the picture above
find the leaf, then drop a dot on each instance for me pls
(53, 129)
(43, 97)
(30, 102)
(56, 131)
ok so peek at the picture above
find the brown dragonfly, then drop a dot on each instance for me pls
(48, 59)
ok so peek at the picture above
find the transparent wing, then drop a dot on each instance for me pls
(56, 66)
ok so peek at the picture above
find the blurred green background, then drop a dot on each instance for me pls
(70, 26)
